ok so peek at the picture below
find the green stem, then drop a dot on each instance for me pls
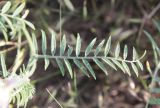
(83, 57)
(29, 39)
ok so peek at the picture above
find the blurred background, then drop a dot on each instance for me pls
(124, 21)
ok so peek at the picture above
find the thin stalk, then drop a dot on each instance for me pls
(154, 75)
(85, 57)
(54, 98)
(60, 19)
(44, 78)
(28, 37)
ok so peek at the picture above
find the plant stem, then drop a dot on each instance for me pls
(83, 57)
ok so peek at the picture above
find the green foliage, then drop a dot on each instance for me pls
(154, 73)
(99, 56)
(14, 25)
(21, 90)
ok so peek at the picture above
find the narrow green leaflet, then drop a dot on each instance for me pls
(140, 65)
(117, 50)
(89, 67)
(2, 26)
(3, 65)
(35, 42)
(19, 9)
(78, 45)
(157, 24)
(125, 52)
(44, 44)
(81, 67)
(126, 68)
(107, 47)
(63, 45)
(13, 99)
(89, 47)
(135, 69)
(69, 4)
(32, 61)
(6, 7)
(85, 10)
(60, 65)
(99, 47)
(25, 14)
(70, 50)
(9, 23)
(5, 35)
(109, 63)
(154, 44)
(118, 65)
(135, 56)
(69, 67)
(29, 24)
(18, 99)
(53, 43)
(100, 64)
(46, 61)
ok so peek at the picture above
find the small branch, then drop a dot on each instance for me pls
(153, 12)
(154, 75)
(86, 57)
(54, 98)
(13, 47)
(3, 43)
(145, 18)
